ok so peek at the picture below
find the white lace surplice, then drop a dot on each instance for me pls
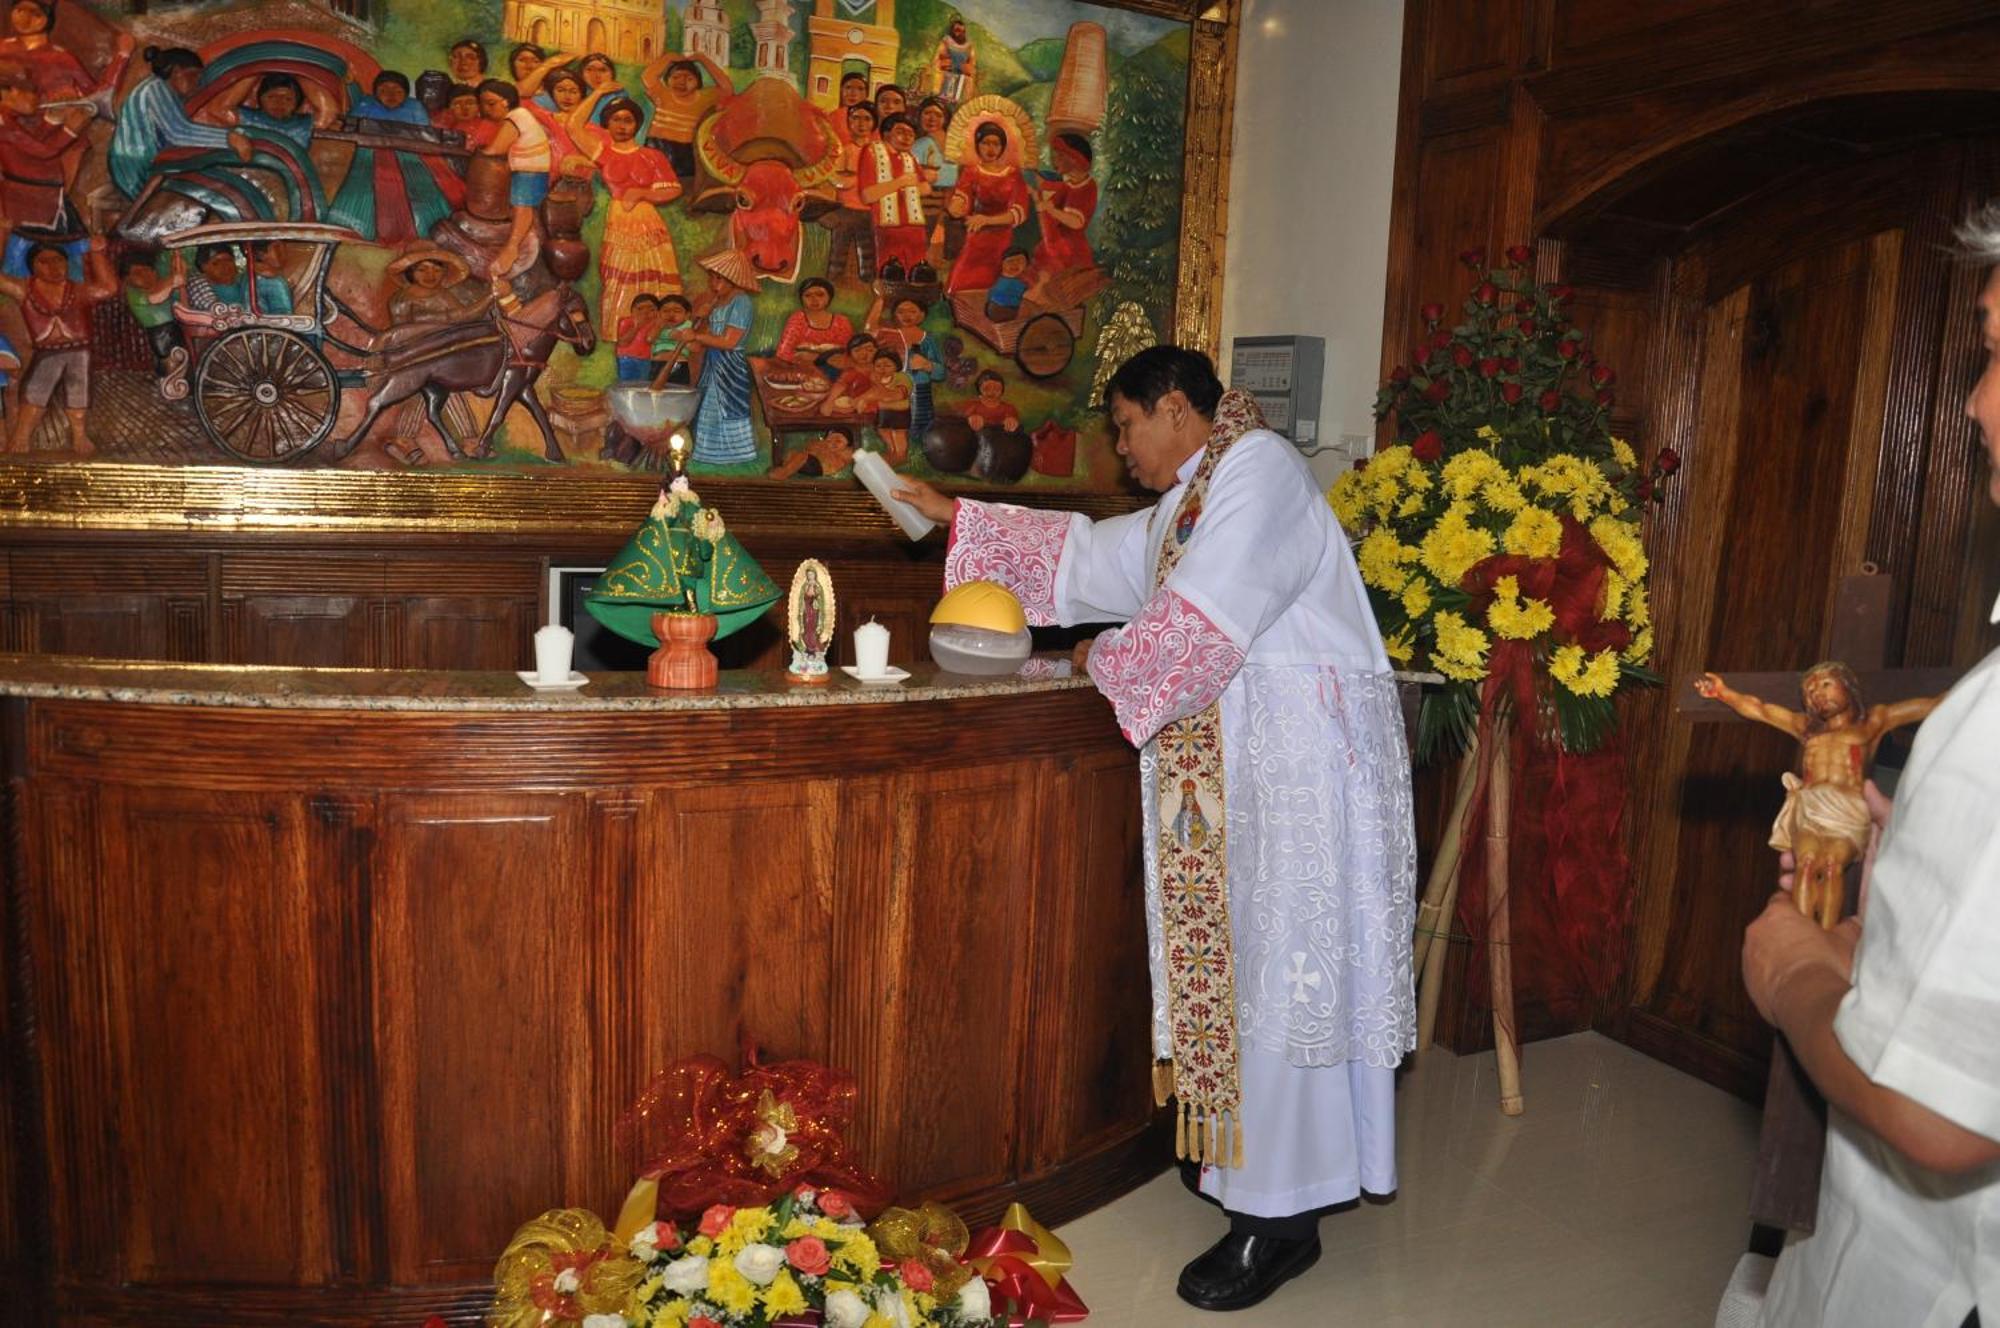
(1266, 612)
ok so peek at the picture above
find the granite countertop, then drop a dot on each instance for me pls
(255, 687)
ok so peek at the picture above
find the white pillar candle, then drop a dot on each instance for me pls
(554, 645)
(871, 649)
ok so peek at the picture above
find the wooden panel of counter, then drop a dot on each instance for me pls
(308, 1009)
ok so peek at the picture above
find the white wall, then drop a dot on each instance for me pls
(1309, 186)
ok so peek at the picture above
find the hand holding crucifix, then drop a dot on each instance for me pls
(1824, 822)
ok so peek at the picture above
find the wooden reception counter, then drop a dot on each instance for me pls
(319, 982)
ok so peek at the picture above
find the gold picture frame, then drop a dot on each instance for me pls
(121, 496)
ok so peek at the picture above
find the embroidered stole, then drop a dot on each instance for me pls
(1204, 1074)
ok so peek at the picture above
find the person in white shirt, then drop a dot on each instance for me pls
(1897, 1018)
(1275, 793)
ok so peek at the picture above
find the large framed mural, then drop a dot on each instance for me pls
(319, 251)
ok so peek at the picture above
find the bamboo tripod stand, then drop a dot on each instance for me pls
(1485, 774)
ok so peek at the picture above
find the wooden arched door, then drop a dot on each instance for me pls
(1808, 350)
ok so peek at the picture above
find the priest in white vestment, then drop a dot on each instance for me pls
(1246, 628)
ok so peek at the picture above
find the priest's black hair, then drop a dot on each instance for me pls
(1158, 370)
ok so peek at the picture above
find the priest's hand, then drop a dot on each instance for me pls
(1079, 656)
(925, 499)
(1785, 952)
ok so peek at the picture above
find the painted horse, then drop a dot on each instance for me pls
(500, 355)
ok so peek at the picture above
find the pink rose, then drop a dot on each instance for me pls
(808, 1255)
(835, 1204)
(916, 1276)
(716, 1221)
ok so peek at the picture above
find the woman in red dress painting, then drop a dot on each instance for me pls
(637, 253)
(1066, 207)
(992, 197)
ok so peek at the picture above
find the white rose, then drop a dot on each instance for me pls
(760, 1264)
(844, 1309)
(685, 1277)
(974, 1300)
(569, 1282)
(605, 1321)
(889, 1304)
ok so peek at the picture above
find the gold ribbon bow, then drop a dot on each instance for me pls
(933, 1236)
(533, 1283)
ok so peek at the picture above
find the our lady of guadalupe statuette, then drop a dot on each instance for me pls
(809, 622)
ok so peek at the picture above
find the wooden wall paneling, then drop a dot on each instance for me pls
(221, 1179)
(871, 900)
(725, 965)
(465, 631)
(482, 1030)
(1689, 532)
(1470, 42)
(80, 1108)
(1865, 421)
(615, 978)
(1952, 472)
(1088, 1076)
(962, 1015)
(340, 839)
(25, 1237)
(112, 603)
(1784, 522)
(306, 608)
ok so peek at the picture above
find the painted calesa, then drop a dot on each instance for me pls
(403, 235)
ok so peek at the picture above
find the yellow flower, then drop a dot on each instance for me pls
(673, 1314)
(857, 1253)
(729, 1288)
(1514, 618)
(1410, 506)
(750, 1224)
(1503, 495)
(784, 1297)
(1584, 674)
(1382, 559)
(1467, 471)
(1461, 648)
(1401, 644)
(1638, 612)
(1533, 533)
(1417, 597)
(1620, 542)
(701, 1245)
(1486, 433)
(1623, 451)
(1641, 648)
(1565, 475)
(1455, 546)
(1614, 597)
(1349, 499)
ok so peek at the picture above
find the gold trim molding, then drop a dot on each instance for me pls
(106, 496)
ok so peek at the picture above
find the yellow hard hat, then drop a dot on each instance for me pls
(986, 604)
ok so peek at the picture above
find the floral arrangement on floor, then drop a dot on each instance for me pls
(806, 1255)
(749, 1213)
(1499, 536)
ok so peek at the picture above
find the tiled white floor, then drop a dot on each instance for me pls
(1618, 1199)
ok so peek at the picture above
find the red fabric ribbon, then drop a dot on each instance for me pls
(691, 1129)
(1019, 1291)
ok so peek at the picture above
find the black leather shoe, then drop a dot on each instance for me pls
(1238, 1271)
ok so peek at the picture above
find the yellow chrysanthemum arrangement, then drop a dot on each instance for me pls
(752, 1267)
(1500, 535)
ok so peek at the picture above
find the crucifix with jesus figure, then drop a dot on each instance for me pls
(1825, 826)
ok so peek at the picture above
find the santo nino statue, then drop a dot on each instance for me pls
(1824, 821)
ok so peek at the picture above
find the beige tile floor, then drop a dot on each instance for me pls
(1617, 1199)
